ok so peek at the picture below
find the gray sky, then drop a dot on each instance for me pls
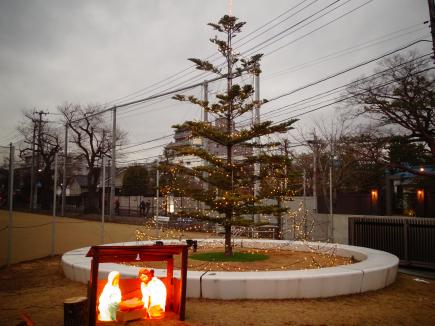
(84, 52)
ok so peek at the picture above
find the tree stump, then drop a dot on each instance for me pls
(75, 311)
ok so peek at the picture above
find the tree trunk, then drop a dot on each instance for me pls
(92, 196)
(228, 246)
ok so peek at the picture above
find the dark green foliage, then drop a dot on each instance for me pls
(221, 257)
(135, 181)
(402, 151)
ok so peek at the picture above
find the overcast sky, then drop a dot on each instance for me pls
(83, 52)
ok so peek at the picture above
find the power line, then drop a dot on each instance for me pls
(339, 88)
(347, 70)
(320, 27)
(264, 43)
(342, 99)
(344, 51)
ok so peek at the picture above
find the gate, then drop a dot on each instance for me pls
(410, 239)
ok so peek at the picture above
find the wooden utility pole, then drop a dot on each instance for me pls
(432, 24)
(38, 157)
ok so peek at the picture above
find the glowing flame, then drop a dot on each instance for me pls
(110, 298)
(153, 293)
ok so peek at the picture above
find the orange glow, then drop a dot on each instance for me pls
(152, 304)
(153, 294)
(374, 195)
(110, 298)
(420, 194)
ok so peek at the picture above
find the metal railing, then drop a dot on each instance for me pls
(410, 239)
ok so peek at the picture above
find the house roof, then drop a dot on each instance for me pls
(82, 180)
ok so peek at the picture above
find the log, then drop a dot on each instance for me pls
(75, 311)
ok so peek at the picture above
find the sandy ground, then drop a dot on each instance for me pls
(38, 288)
(277, 260)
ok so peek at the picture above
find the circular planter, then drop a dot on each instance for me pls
(375, 270)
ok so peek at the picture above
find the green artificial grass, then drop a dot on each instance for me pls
(237, 256)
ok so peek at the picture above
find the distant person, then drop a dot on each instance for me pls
(142, 208)
(117, 207)
(147, 208)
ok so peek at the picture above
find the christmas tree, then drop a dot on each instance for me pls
(228, 180)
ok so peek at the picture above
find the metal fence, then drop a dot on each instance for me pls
(410, 239)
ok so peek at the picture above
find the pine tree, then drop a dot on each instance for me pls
(228, 194)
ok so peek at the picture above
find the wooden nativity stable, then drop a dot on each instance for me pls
(130, 287)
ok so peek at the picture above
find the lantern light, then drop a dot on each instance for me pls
(420, 194)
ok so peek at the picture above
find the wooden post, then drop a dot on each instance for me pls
(183, 283)
(170, 278)
(75, 311)
(93, 289)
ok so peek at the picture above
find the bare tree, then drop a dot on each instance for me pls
(341, 146)
(46, 143)
(401, 97)
(93, 140)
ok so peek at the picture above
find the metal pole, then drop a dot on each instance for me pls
(304, 214)
(315, 174)
(103, 181)
(304, 187)
(204, 140)
(113, 166)
(32, 171)
(330, 202)
(255, 121)
(157, 190)
(11, 203)
(205, 98)
(432, 24)
(65, 150)
(53, 224)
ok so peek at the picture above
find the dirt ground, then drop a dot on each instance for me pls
(277, 260)
(38, 289)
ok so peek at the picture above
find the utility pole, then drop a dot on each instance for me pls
(280, 222)
(330, 202)
(256, 120)
(32, 170)
(157, 190)
(330, 189)
(113, 166)
(38, 158)
(53, 225)
(204, 140)
(314, 147)
(432, 24)
(304, 181)
(64, 170)
(103, 197)
(11, 202)
(315, 172)
(205, 99)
